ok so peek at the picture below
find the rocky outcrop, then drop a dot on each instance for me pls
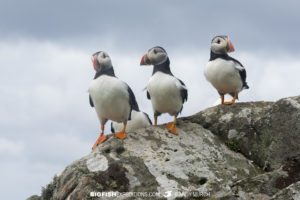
(243, 151)
(265, 132)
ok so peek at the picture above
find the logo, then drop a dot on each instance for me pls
(168, 194)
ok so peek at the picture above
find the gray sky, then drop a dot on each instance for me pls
(45, 48)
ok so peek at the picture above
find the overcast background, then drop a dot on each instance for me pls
(45, 49)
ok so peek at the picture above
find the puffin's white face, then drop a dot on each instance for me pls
(154, 56)
(221, 45)
(101, 60)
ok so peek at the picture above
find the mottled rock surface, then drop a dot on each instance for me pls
(267, 133)
(292, 192)
(243, 151)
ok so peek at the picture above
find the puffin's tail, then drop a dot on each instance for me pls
(245, 85)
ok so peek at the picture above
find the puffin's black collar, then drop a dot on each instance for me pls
(214, 56)
(108, 72)
(164, 67)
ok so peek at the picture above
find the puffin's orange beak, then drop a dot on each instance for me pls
(145, 60)
(96, 64)
(230, 47)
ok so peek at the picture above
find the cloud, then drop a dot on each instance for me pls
(10, 148)
(43, 95)
(136, 24)
(270, 75)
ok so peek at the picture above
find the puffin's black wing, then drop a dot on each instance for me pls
(91, 101)
(243, 76)
(132, 101)
(90, 98)
(112, 128)
(242, 72)
(149, 120)
(148, 95)
(183, 91)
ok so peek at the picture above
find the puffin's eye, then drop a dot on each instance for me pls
(155, 51)
(104, 56)
(218, 41)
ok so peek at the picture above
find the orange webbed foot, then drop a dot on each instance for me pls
(232, 101)
(100, 139)
(229, 102)
(172, 128)
(121, 134)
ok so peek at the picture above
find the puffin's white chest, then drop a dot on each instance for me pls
(223, 75)
(165, 95)
(138, 120)
(110, 98)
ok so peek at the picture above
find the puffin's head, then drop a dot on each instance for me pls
(155, 56)
(221, 45)
(101, 61)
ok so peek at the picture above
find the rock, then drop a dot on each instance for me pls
(242, 151)
(264, 183)
(292, 192)
(267, 133)
(34, 197)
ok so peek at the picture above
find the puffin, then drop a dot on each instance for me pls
(112, 98)
(166, 92)
(225, 73)
(138, 120)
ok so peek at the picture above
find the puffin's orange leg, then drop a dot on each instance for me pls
(101, 138)
(122, 133)
(155, 120)
(222, 99)
(172, 126)
(233, 100)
